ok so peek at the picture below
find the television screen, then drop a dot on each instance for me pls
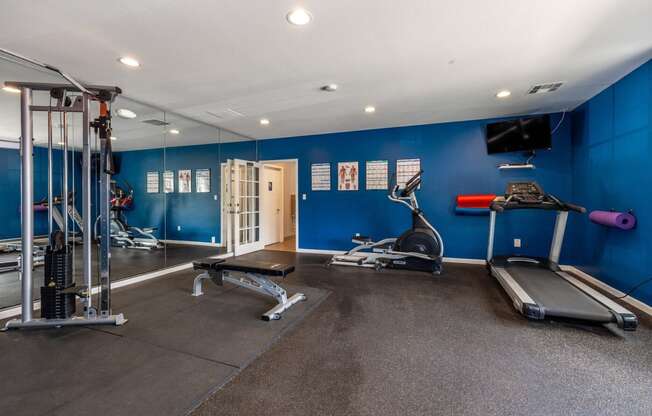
(523, 134)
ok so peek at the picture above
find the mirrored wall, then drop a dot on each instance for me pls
(166, 195)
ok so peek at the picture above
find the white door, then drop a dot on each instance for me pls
(272, 204)
(241, 206)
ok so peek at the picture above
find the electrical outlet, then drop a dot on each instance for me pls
(212, 239)
(517, 242)
(304, 196)
(178, 228)
(215, 197)
(357, 234)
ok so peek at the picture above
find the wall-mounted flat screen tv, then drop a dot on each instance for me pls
(523, 134)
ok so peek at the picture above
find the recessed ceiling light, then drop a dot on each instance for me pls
(330, 87)
(503, 94)
(61, 143)
(11, 89)
(124, 113)
(370, 109)
(129, 61)
(174, 131)
(299, 17)
(264, 121)
(114, 138)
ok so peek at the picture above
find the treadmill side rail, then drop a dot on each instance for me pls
(522, 301)
(624, 318)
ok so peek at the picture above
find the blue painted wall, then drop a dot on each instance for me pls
(453, 155)
(612, 152)
(455, 161)
(10, 186)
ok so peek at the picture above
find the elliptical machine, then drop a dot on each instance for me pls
(123, 234)
(420, 248)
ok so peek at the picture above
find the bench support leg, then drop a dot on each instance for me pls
(264, 286)
(196, 286)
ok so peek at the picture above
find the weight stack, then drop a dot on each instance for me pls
(55, 304)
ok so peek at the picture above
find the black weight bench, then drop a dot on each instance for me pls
(249, 274)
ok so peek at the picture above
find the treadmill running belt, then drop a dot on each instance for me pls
(559, 297)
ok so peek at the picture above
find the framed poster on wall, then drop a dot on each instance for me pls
(347, 176)
(168, 181)
(153, 186)
(377, 171)
(185, 181)
(203, 181)
(405, 169)
(321, 176)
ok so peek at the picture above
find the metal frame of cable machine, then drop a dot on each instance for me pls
(92, 315)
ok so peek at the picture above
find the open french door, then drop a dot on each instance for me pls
(241, 206)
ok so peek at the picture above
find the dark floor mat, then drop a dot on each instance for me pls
(406, 343)
(175, 350)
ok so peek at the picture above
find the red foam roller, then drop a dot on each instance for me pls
(475, 201)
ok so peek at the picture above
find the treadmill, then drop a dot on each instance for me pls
(537, 286)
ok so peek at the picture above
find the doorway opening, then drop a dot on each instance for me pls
(279, 208)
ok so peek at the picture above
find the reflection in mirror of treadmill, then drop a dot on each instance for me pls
(522, 260)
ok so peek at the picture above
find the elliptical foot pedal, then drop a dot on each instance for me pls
(351, 259)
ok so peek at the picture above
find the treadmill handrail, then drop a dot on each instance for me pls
(552, 204)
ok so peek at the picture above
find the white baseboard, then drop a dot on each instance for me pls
(315, 251)
(16, 310)
(462, 260)
(642, 306)
(192, 243)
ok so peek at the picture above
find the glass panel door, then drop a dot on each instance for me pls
(241, 206)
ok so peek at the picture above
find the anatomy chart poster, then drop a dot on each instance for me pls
(347, 173)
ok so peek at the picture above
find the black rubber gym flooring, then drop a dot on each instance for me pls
(173, 353)
(125, 263)
(388, 343)
(395, 343)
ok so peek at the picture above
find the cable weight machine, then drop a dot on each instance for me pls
(59, 293)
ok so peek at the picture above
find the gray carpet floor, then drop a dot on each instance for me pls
(393, 343)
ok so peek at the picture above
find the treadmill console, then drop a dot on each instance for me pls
(525, 192)
(529, 195)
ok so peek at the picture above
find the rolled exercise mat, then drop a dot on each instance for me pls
(475, 201)
(622, 220)
(471, 211)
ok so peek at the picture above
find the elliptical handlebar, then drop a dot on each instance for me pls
(410, 186)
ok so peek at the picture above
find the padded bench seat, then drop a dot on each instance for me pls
(246, 266)
(206, 264)
(250, 274)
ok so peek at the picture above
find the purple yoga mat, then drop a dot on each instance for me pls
(622, 220)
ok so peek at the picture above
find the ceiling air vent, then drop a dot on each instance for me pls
(155, 122)
(225, 114)
(541, 88)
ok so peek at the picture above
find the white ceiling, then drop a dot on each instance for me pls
(418, 62)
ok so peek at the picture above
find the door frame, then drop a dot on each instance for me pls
(280, 169)
(296, 200)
